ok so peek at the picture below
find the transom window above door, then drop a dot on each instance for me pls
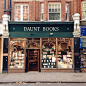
(21, 12)
(54, 11)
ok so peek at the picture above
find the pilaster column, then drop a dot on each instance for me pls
(76, 19)
(6, 18)
(76, 34)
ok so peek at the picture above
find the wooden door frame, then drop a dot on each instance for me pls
(38, 58)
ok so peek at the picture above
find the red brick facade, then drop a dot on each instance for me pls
(1, 8)
(34, 8)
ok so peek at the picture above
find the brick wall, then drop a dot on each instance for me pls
(34, 8)
(1, 8)
(63, 9)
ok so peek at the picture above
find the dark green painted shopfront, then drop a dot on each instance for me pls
(41, 46)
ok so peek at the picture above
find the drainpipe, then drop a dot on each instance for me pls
(5, 8)
(10, 9)
(4, 5)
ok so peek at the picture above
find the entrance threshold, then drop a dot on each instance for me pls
(33, 72)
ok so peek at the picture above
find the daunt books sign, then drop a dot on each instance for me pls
(41, 29)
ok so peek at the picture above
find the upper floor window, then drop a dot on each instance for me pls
(42, 11)
(67, 11)
(54, 11)
(21, 12)
(83, 10)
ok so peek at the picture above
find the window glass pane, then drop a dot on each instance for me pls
(52, 8)
(16, 54)
(42, 16)
(84, 15)
(48, 54)
(67, 11)
(42, 8)
(67, 8)
(42, 11)
(83, 58)
(66, 16)
(19, 7)
(17, 12)
(84, 10)
(25, 13)
(83, 6)
(54, 12)
(15, 7)
(58, 8)
(25, 17)
(55, 8)
(65, 53)
(24, 7)
(54, 16)
(58, 5)
(49, 8)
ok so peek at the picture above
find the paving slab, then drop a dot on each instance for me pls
(43, 77)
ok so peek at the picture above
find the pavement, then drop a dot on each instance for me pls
(43, 77)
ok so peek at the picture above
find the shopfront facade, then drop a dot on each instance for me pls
(83, 46)
(1, 46)
(41, 46)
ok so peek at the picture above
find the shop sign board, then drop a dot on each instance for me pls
(83, 30)
(44, 29)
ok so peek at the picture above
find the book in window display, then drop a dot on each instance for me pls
(49, 61)
(44, 56)
(44, 52)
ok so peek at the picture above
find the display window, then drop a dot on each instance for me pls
(17, 53)
(83, 58)
(65, 54)
(57, 53)
(48, 53)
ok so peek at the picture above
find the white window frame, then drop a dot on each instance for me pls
(42, 11)
(21, 11)
(54, 12)
(66, 12)
(81, 10)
